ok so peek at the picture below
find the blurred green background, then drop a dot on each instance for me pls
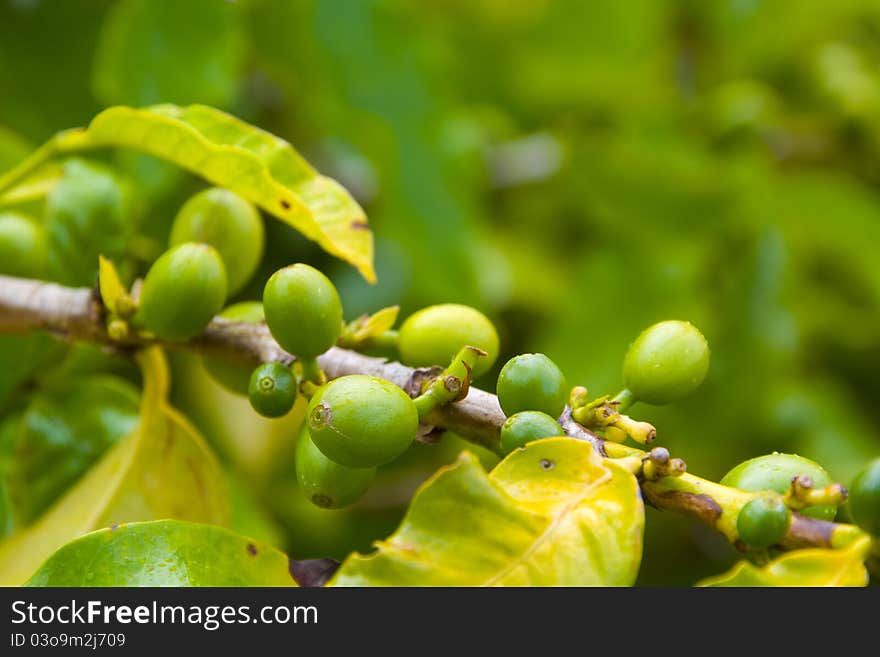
(577, 170)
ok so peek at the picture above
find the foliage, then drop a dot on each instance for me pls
(814, 567)
(165, 553)
(548, 515)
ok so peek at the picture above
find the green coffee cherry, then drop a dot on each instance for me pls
(303, 310)
(774, 472)
(22, 246)
(88, 213)
(233, 375)
(272, 389)
(182, 292)
(230, 224)
(763, 521)
(433, 335)
(667, 362)
(362, 421)
(864, 498)
(525, 427)
(325, 483)
(532, 382)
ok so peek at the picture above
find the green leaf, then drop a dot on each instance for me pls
(163, 469)
(179, 52)
(13, 148)
(251, 162)
(65, 429)
(9, 428)
(6, 520)
(164, 553)
(808, 567)
(248, 515)
(22, 357)
(85, 217)
(552, 514)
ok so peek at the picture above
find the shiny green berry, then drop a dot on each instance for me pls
(182, 292)
(303, 310)
(532, 382)
(763, 521)
(362, 421)
(667, 362)
(230, 224)
(272, 389)
(22, 246)
(326, 483)
(774, 472)
(433, 335)
(864, 498)
(525, 427)
(88, 214)
(235, 375)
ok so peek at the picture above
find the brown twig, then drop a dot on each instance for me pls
(76, 314)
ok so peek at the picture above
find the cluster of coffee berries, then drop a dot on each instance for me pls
(532, 393)
(787, 482)
(354, 423)
(357, 423)
(216, 244)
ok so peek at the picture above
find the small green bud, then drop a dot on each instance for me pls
(272, 390)
(763, 521)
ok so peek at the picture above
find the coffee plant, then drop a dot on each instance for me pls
(107, 484)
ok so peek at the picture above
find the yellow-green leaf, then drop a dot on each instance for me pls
(34, 186)
(366, 327)
(164, 553)
(807, 567)
(161, 470)
(552, 514)
(252, 162)
(112, 290)
(377, 323)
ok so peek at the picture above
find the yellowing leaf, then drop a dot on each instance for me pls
(379, 322)
(252, 162)
(229, 153)
(34, 186)
(112, 289)
(808, 567)
(552, 514)
(164, 553)
(366, 327)
(162, 470)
